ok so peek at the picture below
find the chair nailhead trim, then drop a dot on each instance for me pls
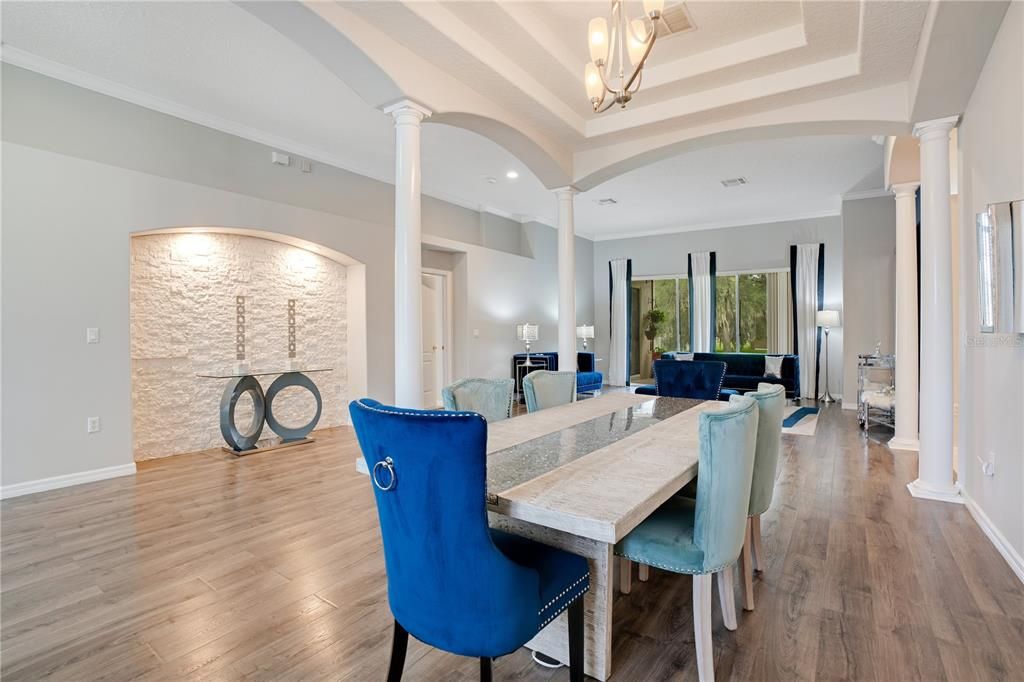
(561, 594)
(676, 569)
(423, 413)
(555, 615)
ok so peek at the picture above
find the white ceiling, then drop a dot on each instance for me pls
(224, 65)
(788, 178)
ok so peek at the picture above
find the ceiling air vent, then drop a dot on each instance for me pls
(676, 19)
(734, 182)
(608, 201)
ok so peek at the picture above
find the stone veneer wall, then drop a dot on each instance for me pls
(183, 289)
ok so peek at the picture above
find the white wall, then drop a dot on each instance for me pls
(83, 172)
(869, 284)
(991, 139)
(750, 247)
(183, 323)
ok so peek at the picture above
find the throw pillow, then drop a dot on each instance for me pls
(684, 356)
(773, 366)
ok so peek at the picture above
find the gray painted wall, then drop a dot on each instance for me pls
(83, 171)
(869, 283)
(991, 141)
(750, 247)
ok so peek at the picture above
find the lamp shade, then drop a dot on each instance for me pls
(827, 318)
(597, 39)
(592, 80)
(636, 41)
(585, 331)
(527, 332)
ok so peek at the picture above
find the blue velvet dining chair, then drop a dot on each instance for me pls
(453, 582)
(544, 389)
(771, 403)
(490, 397)
(699, 379)
(704, 537)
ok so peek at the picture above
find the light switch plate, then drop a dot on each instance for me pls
(92, 334)
(92, 424)
(280, 159)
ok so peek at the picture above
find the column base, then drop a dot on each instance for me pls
(897, 443)
(923, 491)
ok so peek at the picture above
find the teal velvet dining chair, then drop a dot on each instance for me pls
(544, 389)
(704, 537)
(490, 397)
(771, 403)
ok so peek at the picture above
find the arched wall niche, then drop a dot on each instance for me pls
(184, 283)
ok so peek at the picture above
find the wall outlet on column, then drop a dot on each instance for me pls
(476, 333)
(92, 424)
(92, 334)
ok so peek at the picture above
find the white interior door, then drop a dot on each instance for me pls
(433, 296)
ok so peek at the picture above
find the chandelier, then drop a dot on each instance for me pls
(606, 76)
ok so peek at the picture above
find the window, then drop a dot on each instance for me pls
(672, 296)
(742, 311)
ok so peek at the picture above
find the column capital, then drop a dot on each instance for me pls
(407, 111)
(935, 126)
(567, 191)
(902, 189)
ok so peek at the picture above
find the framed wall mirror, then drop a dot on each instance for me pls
(1000, 235)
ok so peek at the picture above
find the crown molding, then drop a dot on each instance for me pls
(867, 194)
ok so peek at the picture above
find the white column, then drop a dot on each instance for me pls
(905, 437)
(566, 280)
(935, 460)
(408, 258)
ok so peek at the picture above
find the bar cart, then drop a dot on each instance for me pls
(876, 390)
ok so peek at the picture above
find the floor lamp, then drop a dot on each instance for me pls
(826, 319)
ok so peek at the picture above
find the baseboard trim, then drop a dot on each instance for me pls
(44, 484)
(1002, 545)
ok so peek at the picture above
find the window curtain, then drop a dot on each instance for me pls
(620, 275)
(700, 268)
(807, 279)
(779, 313)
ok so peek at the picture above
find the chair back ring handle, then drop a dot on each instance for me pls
(386, 464)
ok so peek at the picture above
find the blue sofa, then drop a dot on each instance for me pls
(588, 379)
(744, 371)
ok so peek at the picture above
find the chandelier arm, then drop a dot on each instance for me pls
(639, 81)
(606, 107)
(604, 80)
(643, 59)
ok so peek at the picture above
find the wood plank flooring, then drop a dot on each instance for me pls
(270, 568)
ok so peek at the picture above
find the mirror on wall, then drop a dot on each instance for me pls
(1000, 234)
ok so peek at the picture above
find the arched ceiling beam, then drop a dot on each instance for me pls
(382, 72)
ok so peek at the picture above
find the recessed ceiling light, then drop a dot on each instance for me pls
(512, 175)
(734, 182)
(607, 201)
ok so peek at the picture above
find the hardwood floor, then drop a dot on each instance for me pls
(269, 567)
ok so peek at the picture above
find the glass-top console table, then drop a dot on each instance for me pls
(240, 382)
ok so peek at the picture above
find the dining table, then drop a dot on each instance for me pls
(580, 477)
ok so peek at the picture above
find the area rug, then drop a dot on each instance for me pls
(800, 421)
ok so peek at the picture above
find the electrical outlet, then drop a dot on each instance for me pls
(92, 425)
(988, 466)
(92, 334)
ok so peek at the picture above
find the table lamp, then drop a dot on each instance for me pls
(826, 319)
(526, 333)
(585, 331)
